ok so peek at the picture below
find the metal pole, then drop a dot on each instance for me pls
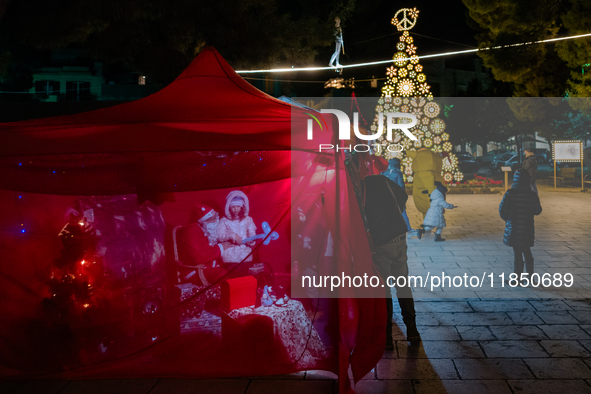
(506, 181)
(582, 180)
(555, 174)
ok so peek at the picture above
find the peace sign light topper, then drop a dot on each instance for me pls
(409, 18)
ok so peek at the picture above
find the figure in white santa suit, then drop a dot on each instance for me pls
(235, 227)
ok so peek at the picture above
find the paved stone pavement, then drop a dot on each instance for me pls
(489, 340)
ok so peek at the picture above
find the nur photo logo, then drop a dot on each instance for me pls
(345, 126)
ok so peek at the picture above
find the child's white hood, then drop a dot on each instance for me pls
(231, 195)
(436, 196)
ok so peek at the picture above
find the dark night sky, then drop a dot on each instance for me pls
(444, 20)
(369, 36)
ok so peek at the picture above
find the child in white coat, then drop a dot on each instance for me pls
(434, 217)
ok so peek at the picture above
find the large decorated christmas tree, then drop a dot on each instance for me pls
(406, 90)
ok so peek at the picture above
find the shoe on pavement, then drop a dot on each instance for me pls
(438, 238)
(389, 345)
(412, 334)
(420, 233)
(389, 340)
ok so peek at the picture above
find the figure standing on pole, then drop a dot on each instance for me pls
(339, 44)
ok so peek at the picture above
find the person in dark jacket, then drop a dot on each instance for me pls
(519, 206)
(384, 202)
(531, 165)
(394, 174)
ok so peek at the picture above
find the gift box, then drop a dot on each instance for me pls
(193, 304)
(238, 293)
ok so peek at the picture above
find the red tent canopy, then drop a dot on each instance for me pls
(208, 130)
(208, 107)
(149, 145)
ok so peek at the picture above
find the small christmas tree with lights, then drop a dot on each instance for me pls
(406, 90)
(73, 273)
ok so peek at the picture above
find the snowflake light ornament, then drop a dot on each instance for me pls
(406, 87)
(388, 90)
(424, 88)
(431, 109)
(414, 13)
(406, 143)
(437, 126)
(400, 59)
(453, 160)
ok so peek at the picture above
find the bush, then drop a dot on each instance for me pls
(477, 182)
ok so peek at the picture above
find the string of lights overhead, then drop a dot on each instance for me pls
(292, 69)
(474, 50)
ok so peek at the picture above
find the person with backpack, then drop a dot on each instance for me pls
(519, 206)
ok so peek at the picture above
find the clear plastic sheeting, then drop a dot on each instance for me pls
(110, 260)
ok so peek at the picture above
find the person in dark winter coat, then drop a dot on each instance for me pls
(531, 165)
(384, 202)
(395, 175)
(519, 206)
